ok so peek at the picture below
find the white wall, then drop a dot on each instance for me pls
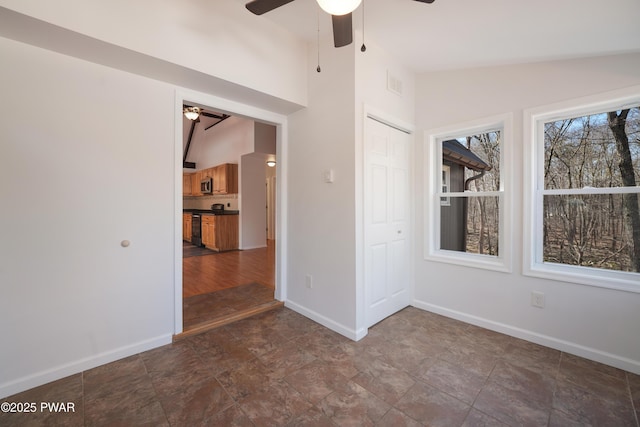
(265, 138)
(325, 229)
(204, 38)
(372, 68)
(253, 216)
(593, 322)
(79, 173)
(223, 143)
(321, 234)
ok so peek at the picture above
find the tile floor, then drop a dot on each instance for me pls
(216, 305)
(279, 368)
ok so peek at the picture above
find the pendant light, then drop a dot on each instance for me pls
(339, 7)
(191, 113)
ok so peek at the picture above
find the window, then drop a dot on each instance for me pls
(467, 206)
(446, 178)
(584, 194)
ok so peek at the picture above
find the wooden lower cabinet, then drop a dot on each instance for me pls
(208, 223)
(186, 227)
(220, 232)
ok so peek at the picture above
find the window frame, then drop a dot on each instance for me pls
(534, 191)
(433, 185)
(445, 183)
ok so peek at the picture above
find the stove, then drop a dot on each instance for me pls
(196, 229)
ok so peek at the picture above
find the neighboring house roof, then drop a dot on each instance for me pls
(455, 152)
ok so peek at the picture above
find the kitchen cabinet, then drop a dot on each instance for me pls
(195, 184)
(208, 225)
(225, 179)
(186, 226)
(220, 232)
(187, 184)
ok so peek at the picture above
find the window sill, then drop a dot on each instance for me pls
(617, 280)
(485, 262)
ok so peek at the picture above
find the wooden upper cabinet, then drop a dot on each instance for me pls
(195, 184)
(225, 179)
(219, 180)
(207, 173)
(187, 184)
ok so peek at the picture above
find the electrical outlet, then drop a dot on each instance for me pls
(328, 176)
(537, 299)
(308, 281)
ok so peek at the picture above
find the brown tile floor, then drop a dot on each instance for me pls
(414, 368)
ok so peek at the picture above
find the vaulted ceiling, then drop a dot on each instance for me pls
(451, 34)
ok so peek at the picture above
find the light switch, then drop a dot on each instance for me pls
(328, 176)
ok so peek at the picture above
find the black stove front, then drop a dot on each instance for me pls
(196, 230)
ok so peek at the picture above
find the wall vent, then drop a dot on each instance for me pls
(394, 84)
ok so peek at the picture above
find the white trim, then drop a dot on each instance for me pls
(80, 365)
(432, 193)
(387, 119)
(350, 333)
(533, 184)
(472, 193)
(246, 248)
(602, 190)
(534, 337)
(254, 113)
(389, 123)
(445, 181)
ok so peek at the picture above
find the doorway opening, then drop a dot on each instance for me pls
(224, 283)
(224, 287)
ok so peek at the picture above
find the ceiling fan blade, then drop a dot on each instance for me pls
(426, 1)
(342, 30)
(259, 7)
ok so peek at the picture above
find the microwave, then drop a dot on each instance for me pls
(206, 186)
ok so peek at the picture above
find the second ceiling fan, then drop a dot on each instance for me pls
(340, 11)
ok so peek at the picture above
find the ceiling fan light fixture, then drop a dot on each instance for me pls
(339, 7)
(191, 113)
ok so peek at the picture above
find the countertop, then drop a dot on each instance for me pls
(210, 212)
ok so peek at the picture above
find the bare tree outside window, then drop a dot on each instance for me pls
(590, 203)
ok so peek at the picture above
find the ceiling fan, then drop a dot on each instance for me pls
(340, 11)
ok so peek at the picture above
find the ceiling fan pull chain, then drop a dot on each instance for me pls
(363, 48)
(318, 40)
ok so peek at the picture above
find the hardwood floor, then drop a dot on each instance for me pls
(219, 286)
(210, 273)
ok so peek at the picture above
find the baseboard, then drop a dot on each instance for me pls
(352, 334)
(545, 340)
(246, 248)
(53, 374)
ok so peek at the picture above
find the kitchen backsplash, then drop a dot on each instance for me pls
(204, 202)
